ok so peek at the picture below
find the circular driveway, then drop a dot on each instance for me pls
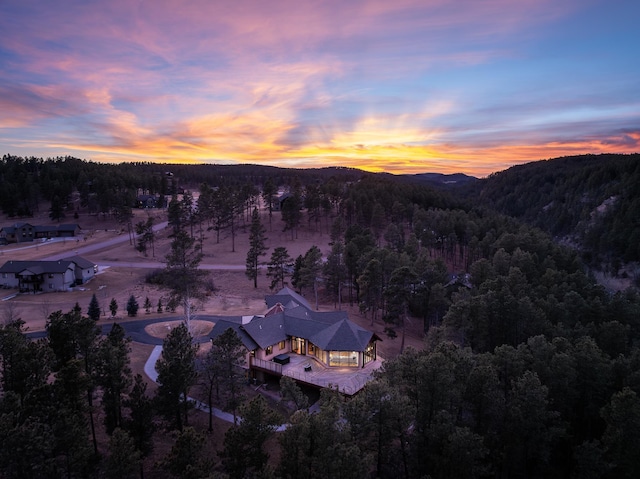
(135, 329)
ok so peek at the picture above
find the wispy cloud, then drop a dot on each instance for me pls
(396, 86)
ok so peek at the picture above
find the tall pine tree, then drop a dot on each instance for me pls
(257, 247)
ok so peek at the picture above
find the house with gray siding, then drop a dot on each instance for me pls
(46, 276)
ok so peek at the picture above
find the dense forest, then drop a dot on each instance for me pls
(592, 201)
(529, 367)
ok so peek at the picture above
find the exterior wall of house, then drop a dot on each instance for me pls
(9, 280)
(272, 351)
(84, 275)
(59, 282)
(25, 233)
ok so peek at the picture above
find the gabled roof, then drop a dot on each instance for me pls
(20, 224)
(285, 297)
(222, 325)
(35, 267)
(81, 262)
(268, 330)
(331, 330)
(15, 227)
(44, 267)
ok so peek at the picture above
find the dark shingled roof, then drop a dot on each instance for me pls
(222, 325)
(36, 267)
(268, 330)
(285, 296)
(331, 330)
(81, 262)
(41, 267)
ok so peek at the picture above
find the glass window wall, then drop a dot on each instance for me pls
(343, 358)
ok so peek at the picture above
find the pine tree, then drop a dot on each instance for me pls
(244, 454)
(269, 191)
(56, 212)
(123, 461)
(187, 458)
(257, 247)
(311, 269)
(147, 305)
(224, 366)
(140, 425)
(113, 307)
(113, 375)
(94, 308)
(278, 267)
(132, 306)
(176, 374)
(185, 281)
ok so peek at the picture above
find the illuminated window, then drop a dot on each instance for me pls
(369, 353)
(268, 350)
(281, 345)
(343, 358)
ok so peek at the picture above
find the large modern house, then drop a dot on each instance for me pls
(46, 276)
(317, 348)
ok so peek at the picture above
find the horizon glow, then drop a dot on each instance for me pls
(409, 86)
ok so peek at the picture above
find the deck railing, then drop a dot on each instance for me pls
(357, 381)
(266, 365)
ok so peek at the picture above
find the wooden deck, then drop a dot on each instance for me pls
(347, 380)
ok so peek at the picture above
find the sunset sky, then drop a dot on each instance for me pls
(403, 86)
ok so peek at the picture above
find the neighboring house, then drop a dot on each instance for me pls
(57, 231)
(290, 329)
(68, 230)
(147, 201)
(278, 205)
(18, 232)
(22, 232)
(46, 276)
(280, 200)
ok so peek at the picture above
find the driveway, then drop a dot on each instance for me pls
(135, 329)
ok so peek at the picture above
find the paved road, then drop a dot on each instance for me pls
(159, 265)
(101, 245)
(81, 250)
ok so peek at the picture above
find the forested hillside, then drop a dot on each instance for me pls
(529, 368)
(105, 188)
(593, 201)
